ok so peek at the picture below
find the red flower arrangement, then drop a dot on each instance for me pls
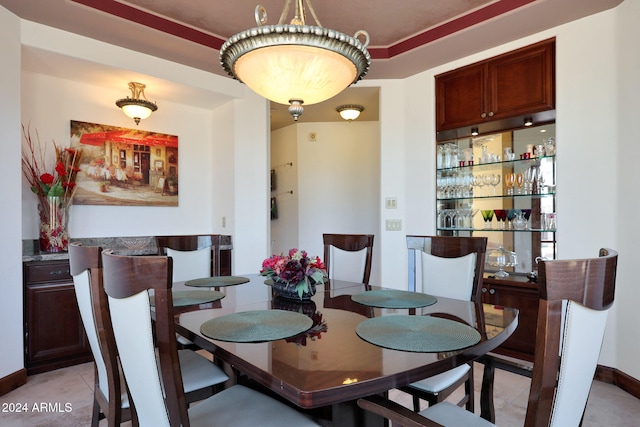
(54, 189)
(60, 183)
(297, 269)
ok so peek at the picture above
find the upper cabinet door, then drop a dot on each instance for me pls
(509, 85)
(460, 97)
(522, 82)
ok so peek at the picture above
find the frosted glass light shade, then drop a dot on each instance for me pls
(136, 110)
(350, 112)
(283, 73)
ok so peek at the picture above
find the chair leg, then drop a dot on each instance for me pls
(416, 403)
(95, 415)
(468, 389)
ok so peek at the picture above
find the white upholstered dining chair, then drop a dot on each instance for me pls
(575, 297)
(450, 267)
(348, 257)
(194, 256)
(202, 378)
(158, 393)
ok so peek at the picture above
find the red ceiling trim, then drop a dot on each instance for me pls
(451, 27)
(150, 20)
(159, 23)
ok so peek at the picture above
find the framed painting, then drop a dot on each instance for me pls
(122, 167)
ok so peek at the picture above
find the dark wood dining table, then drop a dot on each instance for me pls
(325, 370)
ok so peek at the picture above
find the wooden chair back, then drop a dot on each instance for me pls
(575, 296)
(86, 269)
(438, 261)
(195, 256)
(127, 282)
(348, 257)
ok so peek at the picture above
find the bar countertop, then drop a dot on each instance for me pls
(138, 245)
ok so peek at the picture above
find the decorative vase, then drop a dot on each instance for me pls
(54, 221)
(281, 288)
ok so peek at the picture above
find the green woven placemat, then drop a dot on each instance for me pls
(217, 281)
(424, 334)
(186, 298)
(392, 298)
(256, 326)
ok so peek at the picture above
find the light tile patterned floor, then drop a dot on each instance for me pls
(63, 398)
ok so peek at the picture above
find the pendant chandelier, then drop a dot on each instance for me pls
(295, 64)
(137, 106)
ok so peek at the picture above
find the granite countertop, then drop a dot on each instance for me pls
(138, 245)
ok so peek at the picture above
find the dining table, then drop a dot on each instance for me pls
(355, 341)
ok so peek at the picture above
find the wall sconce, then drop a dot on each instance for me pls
(137, 107)
(350, 112)
(474, 131)
(528, 121)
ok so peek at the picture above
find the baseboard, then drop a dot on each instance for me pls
(619, 379)
(13, 381)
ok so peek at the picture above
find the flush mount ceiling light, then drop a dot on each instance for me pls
(295, 63)
(350, 112)
(137, 107)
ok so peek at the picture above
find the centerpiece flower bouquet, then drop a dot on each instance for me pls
(53, 187)
(296, 270)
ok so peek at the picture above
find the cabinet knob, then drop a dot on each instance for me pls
(490, 113)
(483, 115)
(492, 291)
(484, 290)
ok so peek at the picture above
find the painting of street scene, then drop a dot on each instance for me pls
(120, 166)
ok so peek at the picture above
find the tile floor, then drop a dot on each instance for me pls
(63, 398)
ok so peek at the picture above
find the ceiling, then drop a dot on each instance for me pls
(406, 37)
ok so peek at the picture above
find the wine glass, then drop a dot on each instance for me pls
(487, 215)
(495, 180)
(478, 181)
(509, 182)
(469, 214)
(511, 214)
(501, 217)
(519, 182)
(488, 180)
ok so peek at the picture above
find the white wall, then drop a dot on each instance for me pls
(10, 176)
(338, 184)
(284, 161)
(627, 86)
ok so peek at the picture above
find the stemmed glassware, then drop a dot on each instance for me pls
(501, 217)
(511, 214)
(509, 182)
(495, 180)
(519, 182)
(487, 215)
(478, 181)
(469, 214)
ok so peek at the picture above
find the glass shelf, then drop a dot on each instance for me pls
(515, 196)
(503, 163)
(526, 230)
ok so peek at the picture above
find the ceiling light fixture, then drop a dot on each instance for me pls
(295, 63)
(474, 131)
(350, 112)
(528, 121)
(137, 107)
